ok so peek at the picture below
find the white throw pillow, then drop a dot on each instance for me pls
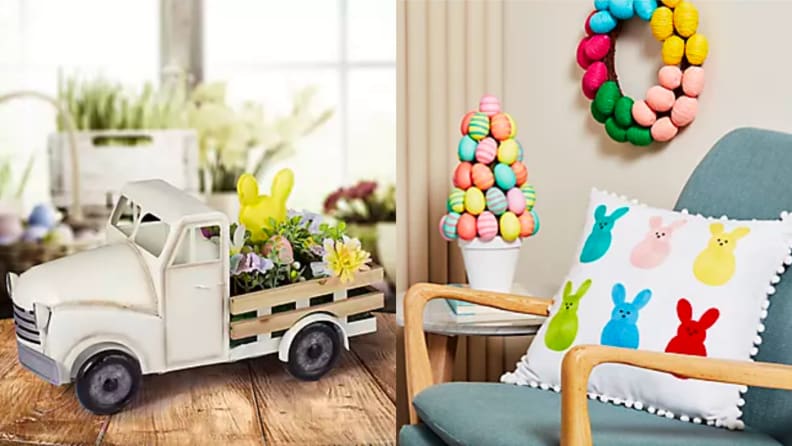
(668, 281)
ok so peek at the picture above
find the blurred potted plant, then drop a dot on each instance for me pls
(370, 215)
(234, 141)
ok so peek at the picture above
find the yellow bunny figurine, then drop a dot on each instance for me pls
(256, 211)
(715, 265)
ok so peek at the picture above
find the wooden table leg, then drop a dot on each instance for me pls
(442, 351)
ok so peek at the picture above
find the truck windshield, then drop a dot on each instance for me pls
(143, 228)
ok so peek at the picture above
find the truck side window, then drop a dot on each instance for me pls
(198, 244)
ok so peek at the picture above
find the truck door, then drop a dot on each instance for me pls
(195, 292)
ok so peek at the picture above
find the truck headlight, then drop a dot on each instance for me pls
(11, 279)
(42, 316)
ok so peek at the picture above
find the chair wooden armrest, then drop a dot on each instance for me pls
(579, 362)
(418, 368)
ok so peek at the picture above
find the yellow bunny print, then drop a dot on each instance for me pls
(256, 211)
(716, 264)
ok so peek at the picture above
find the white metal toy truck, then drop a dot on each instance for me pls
(156, 298)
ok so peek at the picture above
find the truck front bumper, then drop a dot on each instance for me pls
(39, 364)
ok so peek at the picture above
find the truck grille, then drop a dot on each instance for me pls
(25, 325)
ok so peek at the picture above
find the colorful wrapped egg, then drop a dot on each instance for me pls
(496, 201)
(509, 226)
(529, 193)
(448, 226)
(502, 126)
(504, 176)
(536, 221)
(526, 224)
(466, 227)
(489, 105)
(479, 126)
(508, 151)
(474, 201)
(486, 150)
(467, 148)
(520, 172)
(482, 176)
(456, 201)
(515, 200)
(463, 178)
(463, 127)
(487, 226)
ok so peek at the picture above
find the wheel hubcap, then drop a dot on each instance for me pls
(110, 384)
(316, 351)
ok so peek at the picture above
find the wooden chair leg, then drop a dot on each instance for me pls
(442, 352)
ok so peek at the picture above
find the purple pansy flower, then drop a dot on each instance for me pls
(248, 263)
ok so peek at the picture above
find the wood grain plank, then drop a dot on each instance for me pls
(206, 405)
(34, 411)
(377, 353)
(345, 407)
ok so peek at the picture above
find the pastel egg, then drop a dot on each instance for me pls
(516, 201)
(526, 224)
(463, 127)
(521, 153)
(482, 176)
(686, 18)
(660, 99)
(662, 23)
(504, 176)
(474, 201)
(684, 111)
(466, 227)
(503, 126)
(456, 201)
(479, 126)
(536, 221)
(463, 177)
(693, 81)
(597, 46)
(448, 225)
(673, 50)
(670, 77)
(440, 229)
(508, 151)
(529, 193)
(487, 226)
(664, 130)
(643, 114)
(496, 201)
(42, 215)
(696, 49)
(486, 150)
(520, 172)
(602, 22)
(489, 105)
(509, 226)
(467, 148)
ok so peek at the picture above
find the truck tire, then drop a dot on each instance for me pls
(107, 382)
(314, 351)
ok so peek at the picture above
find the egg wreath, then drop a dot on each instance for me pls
(667, 107)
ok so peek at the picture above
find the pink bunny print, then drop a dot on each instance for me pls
(656, 245)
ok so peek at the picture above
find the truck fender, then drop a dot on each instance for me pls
(89, 347)
(288, 337)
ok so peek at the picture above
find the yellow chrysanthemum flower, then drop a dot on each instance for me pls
(345, 257)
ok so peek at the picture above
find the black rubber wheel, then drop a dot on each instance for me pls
(314, 351)
(107, 382)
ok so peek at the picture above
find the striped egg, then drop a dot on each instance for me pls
(487, 226)
(503, 127)
(520, 172)
(530, 196)
(489, 105)
(496, 201)
(474, 201)
(504, 176)
(515, 200)
(449, 225)
(536, 221)
(509, 226)
(508, 151)
(479, 126)
(521, 154)
(440, 229)
(482, 176)
(486, 150)
(462, 175)
(526, 224)
(463, 127)
(456, 201)
(466, 227)
(467, 148)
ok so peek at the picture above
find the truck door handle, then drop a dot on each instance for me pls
(202, 287)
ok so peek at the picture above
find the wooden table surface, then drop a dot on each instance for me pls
(250, 402)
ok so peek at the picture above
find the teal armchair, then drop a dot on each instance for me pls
(747, 174)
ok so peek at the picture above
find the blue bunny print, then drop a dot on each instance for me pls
(599, 241)
(622, 329)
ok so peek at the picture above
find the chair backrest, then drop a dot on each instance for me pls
(748, 174)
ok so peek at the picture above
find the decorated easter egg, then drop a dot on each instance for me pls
(529, 193)
(602, 22)
(42, 215)
(508, 151)
(622, 9)
(593, 78)
(466, 227)
(643, 114)
(487, 226)
(597, 46)
(486, 150)
(664, 129)
(673, 50)
(463, 127)
(622, 112)
(509, 226)
(526, 224)
(662, 23)
(696, 49)
(467, 148)
(502, 126)
(463, 178)
(496, 201)
(482, 176)
(489, 105)
(520, 172)
(448, 225)
(670, 77)
(521, 152)
(684, 111)
(639, 136)
(516, 200)
(474, 201)
(456, 200)
(536, 221)
(693, 81)
(645, 8)
(660, 99)
(686, 18)
(440, 227)
(504, 176)
(479, 126)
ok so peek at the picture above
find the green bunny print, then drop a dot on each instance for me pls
(563, 327)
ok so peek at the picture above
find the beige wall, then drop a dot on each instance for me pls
(749, 73)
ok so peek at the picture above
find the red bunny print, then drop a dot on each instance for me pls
(691, 334)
